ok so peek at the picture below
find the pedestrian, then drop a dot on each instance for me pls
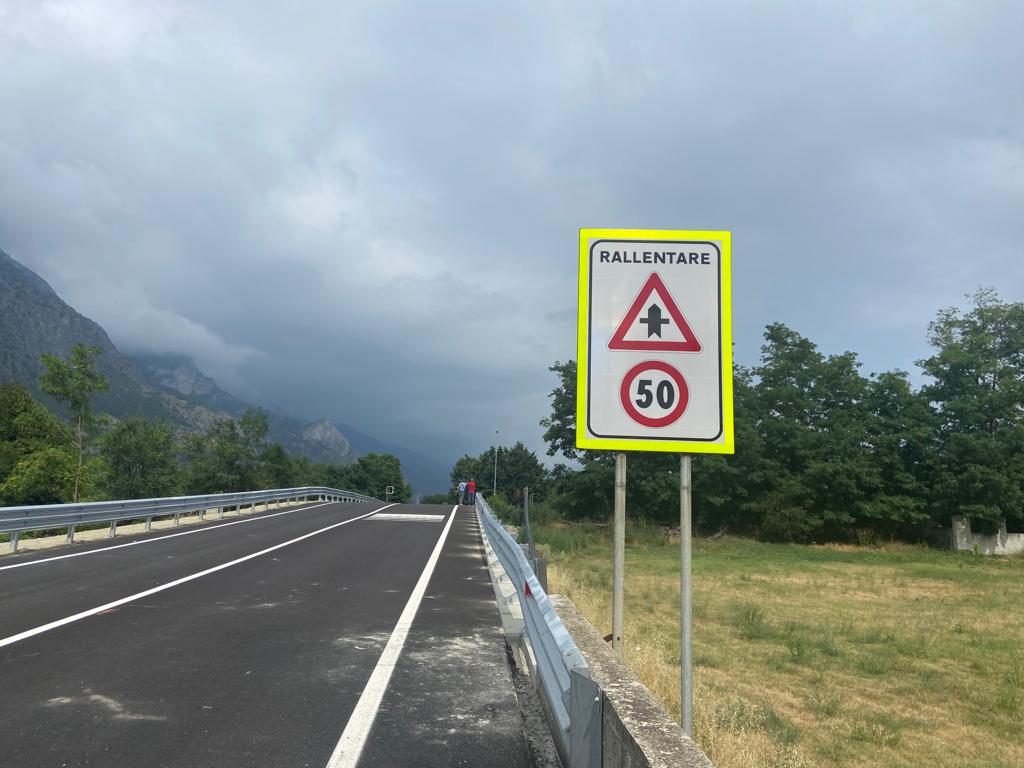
(471, 487)
(462, 492)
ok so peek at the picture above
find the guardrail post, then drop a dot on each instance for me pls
(202, 514)
(113, 529)
(14, 541)
(71, 534)
(585, 718)
(177, 518)
(220, 513)
(149, 524)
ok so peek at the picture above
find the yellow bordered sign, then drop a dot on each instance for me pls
(654, 341)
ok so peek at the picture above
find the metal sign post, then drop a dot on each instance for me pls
(389, 491)
(619, 567)
(685, 597)
(532, 550)
(654, 373)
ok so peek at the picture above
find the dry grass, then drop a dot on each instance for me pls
(825, 656)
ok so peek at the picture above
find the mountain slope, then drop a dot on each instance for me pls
(424, 474)
(177, 376)
(34, 320)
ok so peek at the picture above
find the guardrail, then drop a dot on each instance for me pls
(16, 520)
(572, 698)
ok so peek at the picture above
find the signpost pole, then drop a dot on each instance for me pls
(618, 576)
(531, 549)
(655, 374)
(494, 488)
(686, 595)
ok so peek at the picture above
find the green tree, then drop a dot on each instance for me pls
(75, 382)
(141, 459)
(517, 468)
(977, 390)
(560, 426)
(279, 470)
(470, 467)
(228, 458)
(899, 441)
(818, 478)
(372, 473)
(46, 476)
(26, 427)
(726, 487)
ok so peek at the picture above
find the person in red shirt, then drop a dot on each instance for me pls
(471, 487)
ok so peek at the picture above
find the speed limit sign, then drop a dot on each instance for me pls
(655, 341)
(654, 394)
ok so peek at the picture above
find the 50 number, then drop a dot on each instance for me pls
(665, 394)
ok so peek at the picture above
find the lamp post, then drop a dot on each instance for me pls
(494, 487)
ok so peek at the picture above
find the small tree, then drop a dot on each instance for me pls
(228, 457)
(75, 382)
(141, 459)
(26, 427)
(371, 475)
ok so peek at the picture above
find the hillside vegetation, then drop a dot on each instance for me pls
(44, 460)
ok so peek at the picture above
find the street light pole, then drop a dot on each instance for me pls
(494, 488)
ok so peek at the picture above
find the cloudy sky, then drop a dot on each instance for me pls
(369, 211)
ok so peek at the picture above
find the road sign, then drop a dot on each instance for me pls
(650, 331)
(654, 341)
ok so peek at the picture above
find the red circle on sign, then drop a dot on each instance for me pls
(627, 399)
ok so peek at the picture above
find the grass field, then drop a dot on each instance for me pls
(821, 655)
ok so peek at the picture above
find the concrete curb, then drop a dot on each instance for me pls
(637, 731)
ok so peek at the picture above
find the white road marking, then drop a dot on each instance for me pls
(177, 582)
(353, 738)
(403, 516)
(162, 538)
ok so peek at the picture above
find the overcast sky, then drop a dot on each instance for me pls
(369, 211)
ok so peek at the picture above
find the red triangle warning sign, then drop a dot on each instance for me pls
(662, 327)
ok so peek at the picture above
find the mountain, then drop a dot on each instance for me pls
(177, 376)
(424, 474)
(34, 320)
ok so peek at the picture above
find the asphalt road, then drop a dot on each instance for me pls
(326, 636)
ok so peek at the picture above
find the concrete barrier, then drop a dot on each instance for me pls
(637, 732)
(1000, 543)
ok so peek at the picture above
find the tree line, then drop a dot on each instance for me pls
(824, 452)
(44, 460)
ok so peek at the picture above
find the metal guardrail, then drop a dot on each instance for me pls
(15, 520)
(563, 671)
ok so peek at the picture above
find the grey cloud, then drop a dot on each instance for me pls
(369, 211)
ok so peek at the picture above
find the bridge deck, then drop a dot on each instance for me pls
(262, 662)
